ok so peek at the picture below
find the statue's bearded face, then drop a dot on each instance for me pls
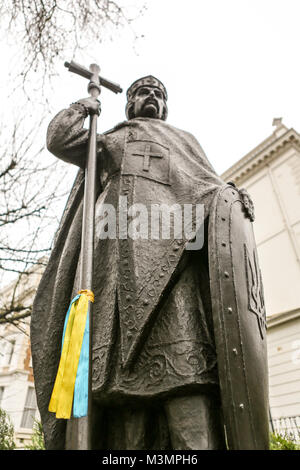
(149, 102)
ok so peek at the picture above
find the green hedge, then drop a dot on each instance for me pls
(6, 432)
(278, 442)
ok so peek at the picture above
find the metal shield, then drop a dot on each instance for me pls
(239, 322)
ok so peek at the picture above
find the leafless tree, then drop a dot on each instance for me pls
(32, 195)
(46, 29)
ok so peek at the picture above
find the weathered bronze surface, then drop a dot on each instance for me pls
(239, 321)
(156, 364)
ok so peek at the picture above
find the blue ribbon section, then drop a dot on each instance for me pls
(80, 405)
(80, 402)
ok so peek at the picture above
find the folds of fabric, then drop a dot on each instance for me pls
(72, 375)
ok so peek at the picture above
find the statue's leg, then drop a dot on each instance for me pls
(135, 424)
(144, 428)
(124, 428)
(129, 427)
(195, 423)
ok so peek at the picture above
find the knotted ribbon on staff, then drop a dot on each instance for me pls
(72, 375)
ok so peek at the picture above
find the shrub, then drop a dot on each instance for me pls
(6, 432)
(279, 442)
(37, 438)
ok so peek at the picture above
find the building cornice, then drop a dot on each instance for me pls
(11, 372)
(264, 153)
(283, 317)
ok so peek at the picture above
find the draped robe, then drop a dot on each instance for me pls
(152, 326)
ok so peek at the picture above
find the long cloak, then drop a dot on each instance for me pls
(149, 162)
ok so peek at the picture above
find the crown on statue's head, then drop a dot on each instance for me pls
(149, 80)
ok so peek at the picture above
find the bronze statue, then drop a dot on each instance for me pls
(179, 346)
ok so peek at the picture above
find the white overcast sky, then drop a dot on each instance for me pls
(230, 67)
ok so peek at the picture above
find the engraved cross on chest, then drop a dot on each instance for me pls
(146, 156)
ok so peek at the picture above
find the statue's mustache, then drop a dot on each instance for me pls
(151, 101)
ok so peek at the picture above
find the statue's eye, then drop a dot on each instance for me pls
(143, 91)
(158, 94)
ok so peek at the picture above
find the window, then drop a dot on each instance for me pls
(7, 351)
(29, 409)
(1, 394)
(11, 350)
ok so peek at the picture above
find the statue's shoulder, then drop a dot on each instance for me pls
(117, 127)
(188, 135)
(177, 130)
(157, 123)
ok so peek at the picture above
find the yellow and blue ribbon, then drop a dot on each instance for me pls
(71, 384)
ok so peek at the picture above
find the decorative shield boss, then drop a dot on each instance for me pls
(239, 322)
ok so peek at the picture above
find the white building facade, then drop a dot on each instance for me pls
(17, 393)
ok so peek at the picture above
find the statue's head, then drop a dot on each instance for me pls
(147, 97)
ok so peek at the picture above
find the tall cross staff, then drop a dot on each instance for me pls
(87, 241)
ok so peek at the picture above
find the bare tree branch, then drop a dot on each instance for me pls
(46, 29)
(33, 191)
(33, 185)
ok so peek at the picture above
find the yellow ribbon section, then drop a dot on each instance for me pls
(63, 391)
(88, 293)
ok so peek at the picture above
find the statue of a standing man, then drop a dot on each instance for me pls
(156, 381)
